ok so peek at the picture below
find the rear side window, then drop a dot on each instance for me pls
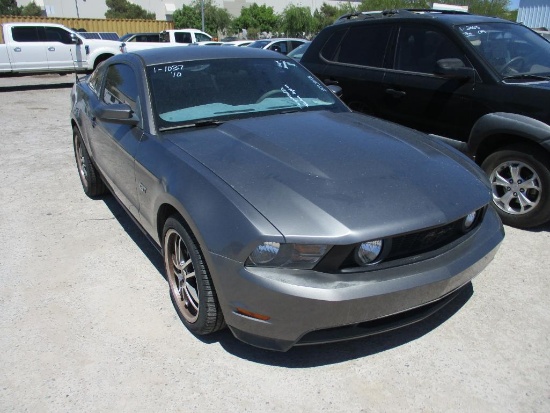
(26, 34)
(363, 45)
(182, 37)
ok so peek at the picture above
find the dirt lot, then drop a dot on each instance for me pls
(86, 323)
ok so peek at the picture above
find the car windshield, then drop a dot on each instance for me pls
(185, 93)
(511, 49)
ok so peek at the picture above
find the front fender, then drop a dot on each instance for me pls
(95, 52)
(511, 124)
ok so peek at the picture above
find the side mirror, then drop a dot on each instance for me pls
(337, 90)
(75, 39)
(118, 113)
(453, 68)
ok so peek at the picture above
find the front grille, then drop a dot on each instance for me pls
(400, 249)
(428, 240)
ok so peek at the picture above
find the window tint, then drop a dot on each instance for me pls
(419, 49)
(280, 47)
(96, 79)
(330, 47)
(57, 34)
(182, 37)
(121, 86)
(365, 46)
(26, 34)
(202, 38)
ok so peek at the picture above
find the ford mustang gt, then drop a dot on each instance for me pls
(279, 212)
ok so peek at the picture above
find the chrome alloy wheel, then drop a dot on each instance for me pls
(516, 187)
(181, 276)
(81, 160)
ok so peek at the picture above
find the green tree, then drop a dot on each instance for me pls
(188, 17)
(31, 9)
(372, 5)
(297, 21)
(257, 19)
(216, 19)
(123, 9)
(327, 14)
(9, 8)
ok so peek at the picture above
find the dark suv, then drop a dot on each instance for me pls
(482, 84)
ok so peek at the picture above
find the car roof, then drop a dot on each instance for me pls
(180, 53)
(449, 17)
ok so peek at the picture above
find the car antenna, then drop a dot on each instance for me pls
(77, 80)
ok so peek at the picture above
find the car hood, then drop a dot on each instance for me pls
(340, 176)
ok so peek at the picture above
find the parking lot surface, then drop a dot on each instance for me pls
(86, 323)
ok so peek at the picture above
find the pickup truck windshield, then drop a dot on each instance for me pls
(217, 90)
(511, 49)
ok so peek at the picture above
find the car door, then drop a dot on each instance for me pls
(60, 49)
(27, 49)
(355, 61)
(115, 144)
(416, 96)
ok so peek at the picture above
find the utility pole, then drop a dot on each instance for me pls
(202, 14)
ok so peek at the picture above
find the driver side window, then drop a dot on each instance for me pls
(419, 49)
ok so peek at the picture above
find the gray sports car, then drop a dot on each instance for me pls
(279, 212)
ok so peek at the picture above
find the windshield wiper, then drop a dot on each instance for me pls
(526, 76)
(197, 124)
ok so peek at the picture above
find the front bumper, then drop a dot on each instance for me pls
(307, 307)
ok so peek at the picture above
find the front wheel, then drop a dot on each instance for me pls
(191, 287)
(89, 176)
(520, 180)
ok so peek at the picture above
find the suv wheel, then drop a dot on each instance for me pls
(520, 181)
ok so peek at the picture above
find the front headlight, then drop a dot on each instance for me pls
(297, 256)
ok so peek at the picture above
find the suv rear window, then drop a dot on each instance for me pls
(364, 46)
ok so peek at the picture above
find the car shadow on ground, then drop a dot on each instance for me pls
(24, 88)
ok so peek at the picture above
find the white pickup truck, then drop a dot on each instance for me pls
(46, 47)
(174, 37)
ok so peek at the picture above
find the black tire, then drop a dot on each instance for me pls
(92, 183)
(191, 288)
(520, 179)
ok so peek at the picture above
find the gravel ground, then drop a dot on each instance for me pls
(86, 323)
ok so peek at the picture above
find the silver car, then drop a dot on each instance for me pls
(279, 212)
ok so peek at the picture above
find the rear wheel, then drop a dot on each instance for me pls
(191, 288)
(89, 177)
(520, 180)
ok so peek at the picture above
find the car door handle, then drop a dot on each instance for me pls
(93, 119)
(395, 93)
(17, 49)
(329, 82)
(51, 49)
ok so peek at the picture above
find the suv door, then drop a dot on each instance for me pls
(355, 59)
(417, 96)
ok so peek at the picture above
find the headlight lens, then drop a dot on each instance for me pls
(297, 256)
(264, 253)
(368, 252)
